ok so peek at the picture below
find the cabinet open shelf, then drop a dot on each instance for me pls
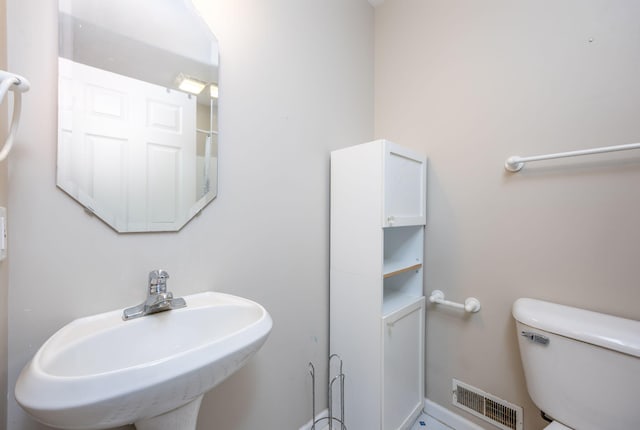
(395, 300)
(402, 250)
(393, 268)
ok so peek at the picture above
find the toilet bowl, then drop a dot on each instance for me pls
(582, 368)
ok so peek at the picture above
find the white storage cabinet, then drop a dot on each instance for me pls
(377, 306)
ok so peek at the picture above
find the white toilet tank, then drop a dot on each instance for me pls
(582, 368)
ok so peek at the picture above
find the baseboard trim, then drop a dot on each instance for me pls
(322, 426)
(447, 417)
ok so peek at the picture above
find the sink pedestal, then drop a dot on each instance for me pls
(183, 418)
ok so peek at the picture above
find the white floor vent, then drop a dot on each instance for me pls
(498, 412)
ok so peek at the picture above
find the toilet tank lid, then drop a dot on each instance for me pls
(607, 331)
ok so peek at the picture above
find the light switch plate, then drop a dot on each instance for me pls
(3, 233)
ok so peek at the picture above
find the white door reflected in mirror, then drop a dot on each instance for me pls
(136, 146)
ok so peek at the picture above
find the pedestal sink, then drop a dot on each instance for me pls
(101, 372)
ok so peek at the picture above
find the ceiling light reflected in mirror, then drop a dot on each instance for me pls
(190, 85)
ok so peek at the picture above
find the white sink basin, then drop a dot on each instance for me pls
(100, 371)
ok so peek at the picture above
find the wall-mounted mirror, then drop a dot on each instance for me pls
(137, 111)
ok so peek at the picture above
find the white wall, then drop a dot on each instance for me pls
(471, 83)
(4, 266)
(297, 82)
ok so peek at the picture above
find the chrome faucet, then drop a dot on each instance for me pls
(158, 299)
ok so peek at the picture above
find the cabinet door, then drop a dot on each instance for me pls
(403, 390)
(405, 187)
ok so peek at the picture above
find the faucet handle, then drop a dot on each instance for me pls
(158, 274)
(158, 281)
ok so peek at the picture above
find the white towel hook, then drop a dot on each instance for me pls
(470, 305)
(19, 85)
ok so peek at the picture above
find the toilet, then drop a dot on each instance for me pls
(582, 368)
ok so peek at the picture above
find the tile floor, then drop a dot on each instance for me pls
(425, 422)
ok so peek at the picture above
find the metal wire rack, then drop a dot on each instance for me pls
(333, 422)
